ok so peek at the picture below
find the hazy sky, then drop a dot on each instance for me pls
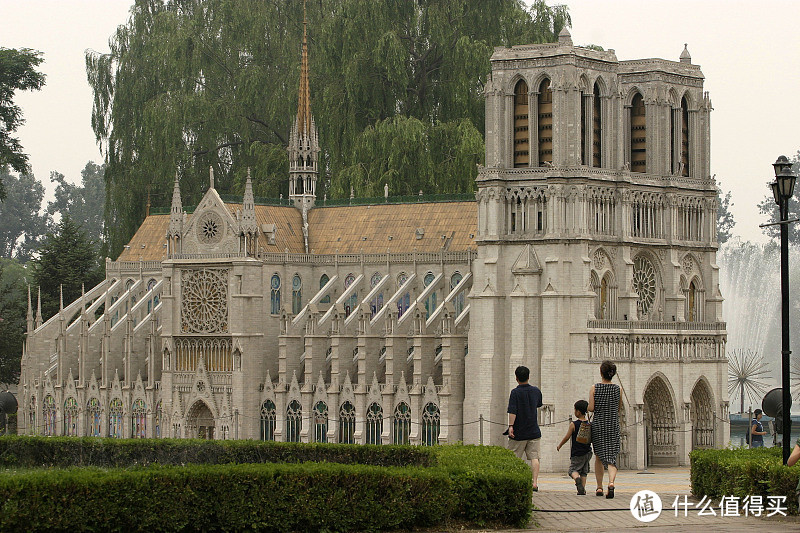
(748, 58)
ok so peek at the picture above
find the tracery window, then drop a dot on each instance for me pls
(352, 301)
(644, 283)
(597, 128)
(404, 301)
(322, 282)
(377, 303)
(430, 302)
(545, 124)
(139, 419)
(402, 424)
(275, 294)
(93, 417)
(49, 415)
(71, 417)
(204, 301)
(321, 422)
(151, 302)
(268, 418)
(431, 417)
(684, 166)
(374, 423)
(458, 301)
(294, 421)
(158, 421)
(521, 133)
(115, 418)
(297, 293)
(638, 134)
(347, 423)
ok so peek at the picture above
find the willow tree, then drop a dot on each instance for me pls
(191, 84)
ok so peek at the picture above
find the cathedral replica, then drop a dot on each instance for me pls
(592, 236)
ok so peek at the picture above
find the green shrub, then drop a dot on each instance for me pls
(743, 472)
(31, 452)
(137, 484)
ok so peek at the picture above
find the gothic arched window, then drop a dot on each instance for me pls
(684, 166)
(458, 301)
(158, 421)
(374, 423)
(115, 418)
(347, 423)
(32, 416)
(49, 415)
(521, 133)
(297, 294)
(321, 422)
(268, 417)
(322, 282)
(71, 417)
(294, 421)
(139, 419)
(401, 424)
(275, 294)
(431, 421)
(545, 112)
(597, 128)
(430, 302)
(377, 302)
(692, 299)
(405, 300)
(352, 301)
(93, 417)
(638, 134)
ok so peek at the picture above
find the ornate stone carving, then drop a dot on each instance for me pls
(204, 301)
(599, 259)
(210, 228)
(644, 283)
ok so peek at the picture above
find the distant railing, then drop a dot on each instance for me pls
(653, 325)
(258, 200)
(411, 199)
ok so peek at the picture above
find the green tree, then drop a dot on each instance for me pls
(17, 73)
(769, 208)
(725, 221)
(84, 203)
(22, 226)
(66, 259)
(192, 84)
(13, 311)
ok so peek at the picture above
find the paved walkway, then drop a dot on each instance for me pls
(559, 508)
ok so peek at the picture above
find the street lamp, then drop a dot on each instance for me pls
(782, 190)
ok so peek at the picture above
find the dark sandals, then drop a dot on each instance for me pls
(599, 492)
(610, 494)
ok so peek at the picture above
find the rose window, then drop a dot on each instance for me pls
(644, 283)
(210, 228)
(204, 302)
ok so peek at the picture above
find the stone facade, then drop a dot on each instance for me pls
(592, 237)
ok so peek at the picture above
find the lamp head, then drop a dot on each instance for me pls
(781, 164)
(784, 179)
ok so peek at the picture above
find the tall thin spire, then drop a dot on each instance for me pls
(30, 312)
(39, 309)
(304, 97)
(175, 229)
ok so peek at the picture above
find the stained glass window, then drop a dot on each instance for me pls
(377, 302)
(405, 300)
(430, 424)
(322, 282)
(430, 303)
(374, 423)
(402, 424)
(158, 421)
(352, 301)
(347, 423)
(294, 421)
(71, 417)
(93, 417)
(321, 422)
(458, 301)
(139, 419)
(268, 417)
(297, 294)
(115, 418)
(49, 415)
(275, 295)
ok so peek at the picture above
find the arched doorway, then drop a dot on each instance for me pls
(660, 424)
(200, 422)
(702, 413)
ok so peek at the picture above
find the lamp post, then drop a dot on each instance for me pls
(782, 190)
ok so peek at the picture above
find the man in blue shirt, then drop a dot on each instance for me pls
(523, 426)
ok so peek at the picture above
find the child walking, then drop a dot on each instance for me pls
(581, 454)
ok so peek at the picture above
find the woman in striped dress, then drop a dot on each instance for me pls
(604, 401)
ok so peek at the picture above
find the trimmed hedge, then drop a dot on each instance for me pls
(31, 452)
(481, 485)
(743, 472)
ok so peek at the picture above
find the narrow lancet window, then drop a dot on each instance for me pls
(638, 135)
(545, 124)
(521, 133)
(684, 166)
(597, 127)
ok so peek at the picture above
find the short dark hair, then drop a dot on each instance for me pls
(582, 406)
(757, 412)
(522, 373)
(608, 370)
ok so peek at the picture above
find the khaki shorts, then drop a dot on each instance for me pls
(523, 448)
